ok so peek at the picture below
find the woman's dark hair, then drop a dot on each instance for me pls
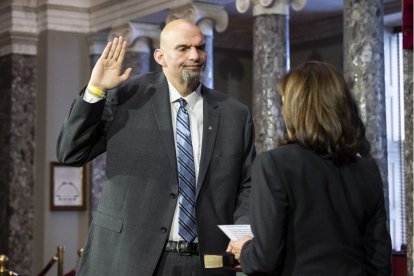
(321, 114)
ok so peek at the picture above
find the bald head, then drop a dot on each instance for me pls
(177, 28)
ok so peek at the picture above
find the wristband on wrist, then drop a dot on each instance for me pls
(95, 91)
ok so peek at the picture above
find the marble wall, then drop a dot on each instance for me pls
(5, 117)
(408, 153)
(17, 120)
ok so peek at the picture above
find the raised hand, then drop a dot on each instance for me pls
(106, 73)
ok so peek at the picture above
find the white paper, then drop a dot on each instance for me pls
(236, 231)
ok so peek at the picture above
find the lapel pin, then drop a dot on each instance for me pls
(210, 128)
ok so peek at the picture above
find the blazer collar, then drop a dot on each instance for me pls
(211, 119)
(160, 101)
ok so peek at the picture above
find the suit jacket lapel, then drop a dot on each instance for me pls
(161, 106)
(211, 118)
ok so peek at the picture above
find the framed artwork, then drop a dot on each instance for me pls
(68, 187)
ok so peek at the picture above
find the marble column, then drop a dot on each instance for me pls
(408, 153)
(407, 38)
(208, 17)
(206, 26)
(18, 71)
(271, 61)
(364, 72)
(141, 38)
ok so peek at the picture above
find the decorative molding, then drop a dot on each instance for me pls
(116, 13)
(96, 15)
(133, 31)
(22, 20)
(279, 7)
(269, 6)
(30, 17)
(198, 11)
(18, 29)
(83, 4)
(63, 18)
(97, 42)
(242, 6)
(206, 26)
(18, 43)
(79, 17)
(266, 3)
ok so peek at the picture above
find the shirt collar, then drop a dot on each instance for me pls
(191, 99)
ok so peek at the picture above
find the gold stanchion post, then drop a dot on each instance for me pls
(3, 270)
(60, 253)
(3, 261)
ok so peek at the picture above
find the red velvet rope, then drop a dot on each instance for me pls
(407, 24)
(47, 267)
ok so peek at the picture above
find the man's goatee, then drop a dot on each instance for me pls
(193, 78)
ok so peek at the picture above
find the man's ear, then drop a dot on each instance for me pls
(159, 57)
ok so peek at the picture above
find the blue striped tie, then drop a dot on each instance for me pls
(187, 228)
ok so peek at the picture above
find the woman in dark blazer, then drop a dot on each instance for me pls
(317, 204)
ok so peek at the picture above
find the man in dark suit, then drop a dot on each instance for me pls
(163, 199)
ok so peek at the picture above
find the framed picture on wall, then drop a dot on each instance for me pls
(68, 187)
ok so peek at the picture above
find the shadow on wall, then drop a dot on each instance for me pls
(233, 74)
(235, 71)
(315, 55)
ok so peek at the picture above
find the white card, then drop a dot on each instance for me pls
(236, 231)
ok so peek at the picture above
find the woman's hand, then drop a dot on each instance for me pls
(236, 246)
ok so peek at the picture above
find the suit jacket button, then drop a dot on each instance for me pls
(172, 195)
(163, 229)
